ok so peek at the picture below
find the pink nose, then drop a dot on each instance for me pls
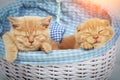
(95, 37)
(31, 41)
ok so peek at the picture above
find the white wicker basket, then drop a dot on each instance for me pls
(98, 68)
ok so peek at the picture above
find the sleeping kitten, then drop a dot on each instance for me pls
(93, 33)
(27, 33)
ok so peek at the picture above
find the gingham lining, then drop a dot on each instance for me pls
(0, 28)
(56, 32)
(68, 22)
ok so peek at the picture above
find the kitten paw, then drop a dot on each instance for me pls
(46, 47)
(86, 46)
(11, 55)
(11, 58)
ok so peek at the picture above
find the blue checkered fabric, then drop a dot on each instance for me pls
(2, 49)
(73, 12)
(0, 28)
(57, 32)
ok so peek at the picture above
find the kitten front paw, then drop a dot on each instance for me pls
(86, 46)
(46, 47)
(12, 57)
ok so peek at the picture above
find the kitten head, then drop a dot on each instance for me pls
(94, 31)
(30, 30)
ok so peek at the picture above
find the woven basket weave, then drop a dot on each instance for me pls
(99, 68)
(63, 64)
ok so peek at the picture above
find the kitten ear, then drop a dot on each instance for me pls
(13, 21)
(78, 28)
(47, 21)
(106, 22)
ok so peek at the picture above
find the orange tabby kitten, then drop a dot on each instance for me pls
(27, 33)
(93, 33)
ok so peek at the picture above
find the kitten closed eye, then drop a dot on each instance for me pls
(100, 31)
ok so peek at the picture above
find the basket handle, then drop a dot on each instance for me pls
(59, 10)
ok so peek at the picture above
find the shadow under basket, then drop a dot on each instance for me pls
(76, 64)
